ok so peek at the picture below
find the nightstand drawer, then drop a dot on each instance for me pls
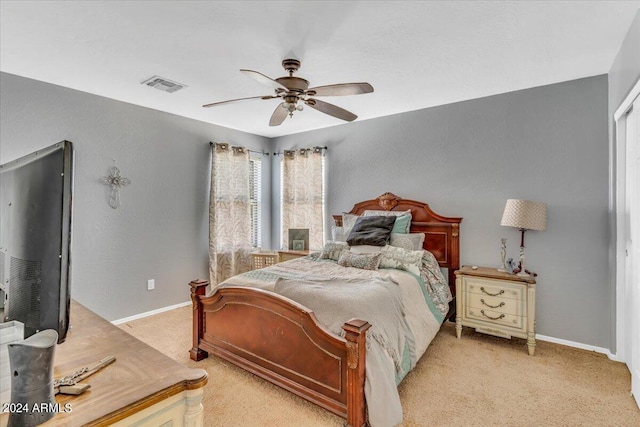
(495, 317)
(496, 304)
(494, 288)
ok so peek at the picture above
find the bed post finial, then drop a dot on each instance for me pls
(388, 201)
(198, 288)
(356, 330)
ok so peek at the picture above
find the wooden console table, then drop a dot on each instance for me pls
(143, 386)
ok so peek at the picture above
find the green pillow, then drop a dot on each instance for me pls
(402, 224)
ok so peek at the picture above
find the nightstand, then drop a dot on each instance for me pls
(262, 259)
(289, 255)
(496, 303)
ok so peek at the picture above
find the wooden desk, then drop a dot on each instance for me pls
(142, 386)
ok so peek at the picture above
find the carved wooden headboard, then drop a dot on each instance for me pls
(442, 234)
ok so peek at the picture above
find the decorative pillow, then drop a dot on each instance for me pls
(363, 261)
(371, 230)
(366, 249)
(348, 221)
(401, 259)
(402, 224)
(410, 241)
(337, 234)
(332, 250)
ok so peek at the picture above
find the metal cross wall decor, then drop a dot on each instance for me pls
(115, 181)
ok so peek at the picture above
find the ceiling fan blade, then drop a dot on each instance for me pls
(268, 81)
(331, 109)
(342, 89)
(240, 99)
(278, 116)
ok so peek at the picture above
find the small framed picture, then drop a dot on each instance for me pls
(298, 245)
(301, 235)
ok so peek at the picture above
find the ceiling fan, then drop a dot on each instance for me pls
(294, 91)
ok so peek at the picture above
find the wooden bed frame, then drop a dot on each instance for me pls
(281, 341)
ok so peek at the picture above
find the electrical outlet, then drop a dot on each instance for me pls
(151, 284)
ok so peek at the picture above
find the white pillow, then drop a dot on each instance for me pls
(390, 213)
(401, 259)
(348, 221)
(332, 250)
(409, 241)
(337, 234)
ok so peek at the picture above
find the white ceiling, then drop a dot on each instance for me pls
(415, 54)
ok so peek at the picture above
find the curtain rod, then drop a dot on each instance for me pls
(280, 152)
(249, 150)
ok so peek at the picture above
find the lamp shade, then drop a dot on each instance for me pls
(525, 214)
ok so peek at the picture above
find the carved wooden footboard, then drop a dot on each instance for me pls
(282, 342)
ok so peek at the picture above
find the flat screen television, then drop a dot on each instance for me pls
(35, 239)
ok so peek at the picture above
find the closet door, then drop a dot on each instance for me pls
(627, 206)
(633, 242)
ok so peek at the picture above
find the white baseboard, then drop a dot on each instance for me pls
(568, 343)
(151, 313)
(578, 345)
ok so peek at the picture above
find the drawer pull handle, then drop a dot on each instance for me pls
(492, 318)
(490, 294)
(492, 306)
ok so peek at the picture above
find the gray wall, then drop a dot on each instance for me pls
(624, 73)
(465, 159)
(160, 230)
(547, 144)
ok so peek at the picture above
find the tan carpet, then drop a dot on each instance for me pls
(476, 381)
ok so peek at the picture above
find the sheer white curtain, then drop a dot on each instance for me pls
(229, 213)
(302, 194)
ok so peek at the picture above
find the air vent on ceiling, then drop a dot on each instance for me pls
(163, 84)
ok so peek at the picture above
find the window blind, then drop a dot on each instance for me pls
(255, 195)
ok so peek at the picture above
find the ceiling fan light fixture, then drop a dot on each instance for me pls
(291, 106)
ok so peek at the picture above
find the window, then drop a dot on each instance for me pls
(255, 197)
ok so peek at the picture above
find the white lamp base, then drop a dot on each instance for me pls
(523, 274)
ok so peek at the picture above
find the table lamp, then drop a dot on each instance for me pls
(524, 215)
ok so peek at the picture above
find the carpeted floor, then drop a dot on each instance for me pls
(478, 380)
